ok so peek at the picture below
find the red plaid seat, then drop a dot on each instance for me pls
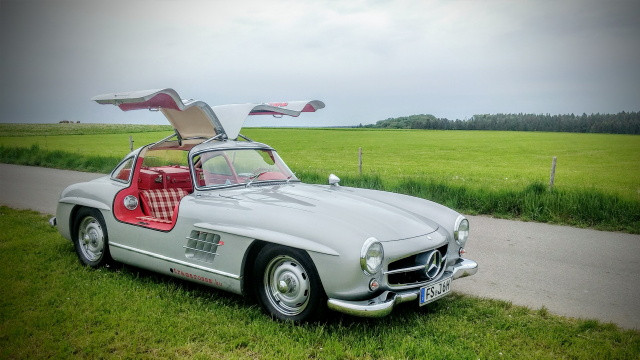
(160, 203)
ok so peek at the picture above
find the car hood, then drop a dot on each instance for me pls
(320, 210)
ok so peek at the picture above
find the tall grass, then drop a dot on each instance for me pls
(535, 203)
(34, 156)
(584, 208)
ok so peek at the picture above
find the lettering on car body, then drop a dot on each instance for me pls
(195, 277)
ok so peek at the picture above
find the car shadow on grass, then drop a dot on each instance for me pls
(401, 313)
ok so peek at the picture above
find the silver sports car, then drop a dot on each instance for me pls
(209, 205)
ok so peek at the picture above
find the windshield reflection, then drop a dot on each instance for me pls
(237, 167)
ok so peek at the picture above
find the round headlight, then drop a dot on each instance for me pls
(371, 256)
(461, 231)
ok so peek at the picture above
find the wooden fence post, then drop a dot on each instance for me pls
(552, 178)
(130, 143)
(360, 160)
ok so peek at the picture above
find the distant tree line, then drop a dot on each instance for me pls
(620, 123)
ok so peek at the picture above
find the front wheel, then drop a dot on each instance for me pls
(90, 238)
(287, 284)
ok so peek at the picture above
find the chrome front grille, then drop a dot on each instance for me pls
(418, 268)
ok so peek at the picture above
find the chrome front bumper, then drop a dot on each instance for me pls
(383, 304)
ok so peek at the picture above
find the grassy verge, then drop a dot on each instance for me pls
(34, 156)
(51, 307)
(534, 203)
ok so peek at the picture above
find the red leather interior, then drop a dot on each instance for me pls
(161, 203)
(159, 191)
(165, 177)
(150, 179)
(176, 177)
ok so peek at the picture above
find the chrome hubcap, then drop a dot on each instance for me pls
(283, 286)
(287, 285)
(91, 238)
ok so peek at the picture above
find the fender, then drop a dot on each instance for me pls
(272, 237)
(85, 202)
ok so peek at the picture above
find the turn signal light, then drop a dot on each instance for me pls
(374, 285)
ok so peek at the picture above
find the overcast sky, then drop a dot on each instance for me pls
(367, 60)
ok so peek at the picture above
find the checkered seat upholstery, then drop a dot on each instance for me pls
(160, 203)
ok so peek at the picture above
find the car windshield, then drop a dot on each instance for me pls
(236, 167)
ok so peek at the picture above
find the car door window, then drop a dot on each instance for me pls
(122, 172)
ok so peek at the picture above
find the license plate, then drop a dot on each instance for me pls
(435, 291)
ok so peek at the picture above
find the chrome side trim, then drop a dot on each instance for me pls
(183, 263)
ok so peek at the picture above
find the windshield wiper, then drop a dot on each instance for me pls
(254, 177)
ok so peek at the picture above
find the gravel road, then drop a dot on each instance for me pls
(572, 272)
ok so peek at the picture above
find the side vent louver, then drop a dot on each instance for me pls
(202, 246)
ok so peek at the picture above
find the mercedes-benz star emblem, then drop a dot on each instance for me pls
(433, 265)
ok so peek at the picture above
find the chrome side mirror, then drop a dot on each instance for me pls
(334, 180)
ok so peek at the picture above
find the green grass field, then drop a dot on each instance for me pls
(76, 129)
(492, 160)
(502, 174)
(475, 159)
(51, 307)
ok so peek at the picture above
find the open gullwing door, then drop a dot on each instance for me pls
(196, 119)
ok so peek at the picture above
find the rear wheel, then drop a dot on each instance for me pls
(90, 238)
(287, 284)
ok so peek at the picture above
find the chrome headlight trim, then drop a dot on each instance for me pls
(130, 202)
(461, 230)
(371, 256)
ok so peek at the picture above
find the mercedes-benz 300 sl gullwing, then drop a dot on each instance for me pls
(209, 205)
